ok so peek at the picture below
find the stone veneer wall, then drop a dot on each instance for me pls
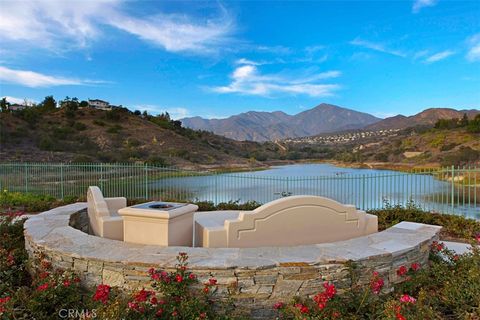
(255, 278)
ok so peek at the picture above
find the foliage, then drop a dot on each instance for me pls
(30, 202)
(448, 288)
(462, 156)
(12, 252)
(454, 226)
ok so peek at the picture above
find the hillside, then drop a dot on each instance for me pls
(88, 135)
(427, 117)
(271, 126)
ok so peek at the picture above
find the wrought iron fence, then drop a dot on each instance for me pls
(453, 189)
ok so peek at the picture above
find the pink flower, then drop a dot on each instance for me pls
(477, 237)
(322, 298)
(212, 281)
(303, 308)
(102, 293)
(159, 312)
(133, 306)
(400, 317)
(407, 299)
(278, 305)
(142, 295)
(66, 283)
(178, 278)
(402, 271)
(376, 283)
(10, 259)
(415, 266)
(42, 287)
(437, 247)
(4, 300)
(191, 276)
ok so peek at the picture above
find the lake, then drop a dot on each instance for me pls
(365, 188)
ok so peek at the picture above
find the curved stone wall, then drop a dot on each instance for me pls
(255, 278)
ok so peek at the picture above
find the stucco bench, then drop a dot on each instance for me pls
(103, 214)
(289, 221)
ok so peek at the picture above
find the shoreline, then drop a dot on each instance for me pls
(400, 167)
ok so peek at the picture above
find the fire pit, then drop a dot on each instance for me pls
(159, 223)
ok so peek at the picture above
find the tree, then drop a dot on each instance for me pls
(474, 125)
(4, 104)
(48, 104)
(464, 121)
(83, 104)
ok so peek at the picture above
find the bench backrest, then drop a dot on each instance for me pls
(298, 220)
(97, 207)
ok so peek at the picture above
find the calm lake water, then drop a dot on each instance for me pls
(364, 188)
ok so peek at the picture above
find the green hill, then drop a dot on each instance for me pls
(71, 134)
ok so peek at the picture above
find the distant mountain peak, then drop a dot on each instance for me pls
(263, 126)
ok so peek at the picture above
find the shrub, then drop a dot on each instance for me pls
(27, 201)
(453, 226)
(172, 297)
(114, 129)
(80, 126)
(448, 288)
(99, 123)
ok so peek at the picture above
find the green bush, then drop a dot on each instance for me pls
(114, 129)
(99, 123)
(447, 288)
(454, 226)
(79, 126)
(26, 201)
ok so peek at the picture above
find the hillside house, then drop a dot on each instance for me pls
(99, 104)
(17, 107)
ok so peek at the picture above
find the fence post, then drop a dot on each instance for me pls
(146, 181)
(453, 188)
(101, 177)
(61, 181)
(363, 191)
(216, 188)
(26, 176)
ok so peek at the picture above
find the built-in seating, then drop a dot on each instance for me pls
(289, 221)
(103, 214)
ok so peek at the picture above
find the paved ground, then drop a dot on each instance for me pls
(458, 247)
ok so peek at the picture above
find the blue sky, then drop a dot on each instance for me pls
(215, 59)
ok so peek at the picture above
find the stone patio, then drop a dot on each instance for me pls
(255, 278)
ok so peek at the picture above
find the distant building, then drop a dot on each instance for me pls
(17, 107)
(99, 104)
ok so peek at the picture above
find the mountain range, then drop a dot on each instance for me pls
(270, 126)
(324, 118)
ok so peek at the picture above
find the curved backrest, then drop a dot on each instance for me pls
(297, 220)
(97, 207)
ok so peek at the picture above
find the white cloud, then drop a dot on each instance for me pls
(16, 100)
(176, 32)
(419, 4)
(34, 79)
(247, 79)
(473, 53)
(377, 47)
(250, 62)
(439, 56)
(66, 25)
